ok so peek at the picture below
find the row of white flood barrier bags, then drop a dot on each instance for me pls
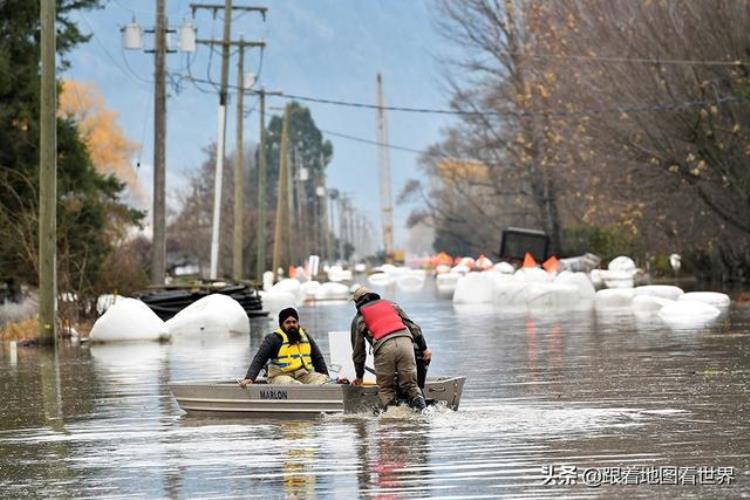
(535, 289)
(125, 318)
(128, 319)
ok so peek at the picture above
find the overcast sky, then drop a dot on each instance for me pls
(322, 48)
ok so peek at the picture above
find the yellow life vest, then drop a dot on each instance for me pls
(292, 357)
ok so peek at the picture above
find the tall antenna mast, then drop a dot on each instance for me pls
(384, 162)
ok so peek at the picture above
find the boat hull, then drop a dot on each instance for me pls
(261, 400)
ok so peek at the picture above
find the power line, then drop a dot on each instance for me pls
(373, 143)
(588, 111)
(638, 60)
(523, 114)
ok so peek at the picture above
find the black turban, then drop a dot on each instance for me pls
(285, 313)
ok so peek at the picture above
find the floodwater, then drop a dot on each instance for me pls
(573, 404)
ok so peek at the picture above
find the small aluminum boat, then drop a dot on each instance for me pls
(261, 400)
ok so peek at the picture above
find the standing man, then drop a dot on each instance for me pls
(392, 335)
(292, 355)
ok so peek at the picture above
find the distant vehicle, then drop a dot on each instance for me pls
(516, 242)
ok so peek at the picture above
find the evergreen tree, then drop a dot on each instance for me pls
(90, 215)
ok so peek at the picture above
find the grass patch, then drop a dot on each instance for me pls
(20, 330)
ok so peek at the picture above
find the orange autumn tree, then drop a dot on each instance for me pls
(110, 150)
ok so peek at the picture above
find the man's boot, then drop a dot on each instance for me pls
(418, 404)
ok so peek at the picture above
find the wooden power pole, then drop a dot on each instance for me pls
(48, 180)
(281, 198)
(260, 265)
(238, 167)
(159, 246)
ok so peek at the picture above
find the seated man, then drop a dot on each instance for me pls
(292, 355)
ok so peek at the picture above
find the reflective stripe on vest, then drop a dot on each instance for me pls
(292, 357)
(381, 318)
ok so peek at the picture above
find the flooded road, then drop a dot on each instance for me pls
(554, 403)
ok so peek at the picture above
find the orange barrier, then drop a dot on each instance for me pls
(528, 261)
(551, 265)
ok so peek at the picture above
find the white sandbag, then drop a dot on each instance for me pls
(532, 275)
(596, 278)
(716, 299)
(275, 301)
(468, 262)
(509, 294)
(128, 319)
(290, 285)
(380, 279)
(581, 281)
(410, 282)
(622, 263)
(474, 288)
(483, 263)
(618, 279)
(646, 305)
(551, 296)
(391, 270)
(332, 291)
(613, 298)
(442, 268)
(689, 314)
(309, 288)
(342, 366)
(215, 314)
(504, 268)
(664, 291)
(267, 280)
(446, 283)
(460, 269)
(338, 274)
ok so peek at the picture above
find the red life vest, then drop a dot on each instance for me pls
(381, 319)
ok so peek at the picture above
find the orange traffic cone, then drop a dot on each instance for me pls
(528, 261)
(551, 265)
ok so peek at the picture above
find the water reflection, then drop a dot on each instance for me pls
(582, 388)
(299, 477)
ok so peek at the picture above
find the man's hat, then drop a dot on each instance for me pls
(359, 293)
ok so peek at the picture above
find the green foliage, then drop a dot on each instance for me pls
(305, 141)
(91, 218)
(607, 242)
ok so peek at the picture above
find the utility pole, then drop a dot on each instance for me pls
(262, 171)
(385, 174)
(133, 40)
(159, 244)
(342, 227)
(281, 198)
(333, 195)
(225, 43)
(260, 265)
(238, 166)
(292, 216)
(48, 180)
